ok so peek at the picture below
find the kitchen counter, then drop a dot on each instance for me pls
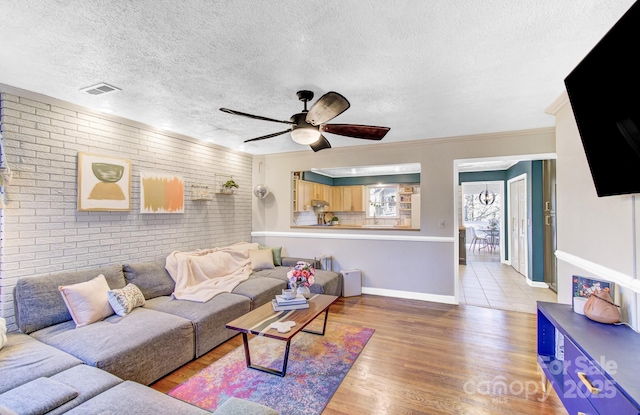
(357, 227)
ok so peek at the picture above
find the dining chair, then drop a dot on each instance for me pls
(478, 239)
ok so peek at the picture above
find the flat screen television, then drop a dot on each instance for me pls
(604, 91)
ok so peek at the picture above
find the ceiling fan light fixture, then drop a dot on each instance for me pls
(305, 135)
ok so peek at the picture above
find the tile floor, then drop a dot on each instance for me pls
(486, 282)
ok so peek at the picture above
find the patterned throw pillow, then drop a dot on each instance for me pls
(125, 299)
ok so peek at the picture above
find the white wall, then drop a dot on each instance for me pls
(421, 262)
(43, 231)
(594, 235)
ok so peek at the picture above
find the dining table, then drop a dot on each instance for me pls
(492, 237)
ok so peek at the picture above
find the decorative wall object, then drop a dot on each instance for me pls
(104, 183)
(261, 191)
(200, 192)
(161, 193)
(228, 186)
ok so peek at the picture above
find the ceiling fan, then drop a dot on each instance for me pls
(307, 126)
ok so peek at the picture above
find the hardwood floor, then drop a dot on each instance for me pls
(428, 358)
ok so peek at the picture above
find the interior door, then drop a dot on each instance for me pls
(522, 230)
(514, 220)
(549, 231)
(519, 225)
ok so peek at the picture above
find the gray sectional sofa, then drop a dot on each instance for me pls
(40, 379)
(135, 350)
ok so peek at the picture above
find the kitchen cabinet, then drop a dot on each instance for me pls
(322, 192)
(337, 199)
(357, 198)
(340, 198)
(306, 191)
(303, 190)
(347, 199)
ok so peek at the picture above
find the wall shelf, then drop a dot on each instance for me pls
(221, 189)
(200, 192)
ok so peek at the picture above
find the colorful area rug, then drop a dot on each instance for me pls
(317, 365)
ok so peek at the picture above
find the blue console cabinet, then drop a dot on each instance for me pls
(593, 367)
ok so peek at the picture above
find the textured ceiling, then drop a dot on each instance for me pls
(427, 69)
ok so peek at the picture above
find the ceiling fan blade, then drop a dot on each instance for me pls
(368, 132)
(329, 106)
(256, 117)
(321, 144)
(264, 137)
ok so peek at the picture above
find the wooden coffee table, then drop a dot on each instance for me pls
(259, 321)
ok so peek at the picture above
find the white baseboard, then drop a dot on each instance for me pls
(445, 299)
(537, 284)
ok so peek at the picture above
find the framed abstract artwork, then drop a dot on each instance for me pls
(104, 183)
(161, 193)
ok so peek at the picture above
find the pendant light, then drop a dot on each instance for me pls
(487, 197)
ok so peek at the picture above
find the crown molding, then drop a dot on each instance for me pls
(558, 104)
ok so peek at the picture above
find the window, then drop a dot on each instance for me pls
(382, 201)
(476, 213)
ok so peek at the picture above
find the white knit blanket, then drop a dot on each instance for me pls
(202, 274)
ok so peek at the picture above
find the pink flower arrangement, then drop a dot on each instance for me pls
(302, 275)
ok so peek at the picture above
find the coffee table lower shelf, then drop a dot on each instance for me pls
(258, 322)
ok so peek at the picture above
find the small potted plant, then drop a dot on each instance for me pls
(230, 186)
(335, 220)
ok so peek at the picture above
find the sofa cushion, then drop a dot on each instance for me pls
(289, 261)
(87, 301)
(38, 396)
(209, 318)
(123, 300)
(151, 277)
(38, 303)
(24, 359)
(87, 380)
(143, 346)
(325, 282)
(133, 398)
(261, 259)
(260, 290)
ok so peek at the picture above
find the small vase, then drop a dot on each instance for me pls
(304, 291)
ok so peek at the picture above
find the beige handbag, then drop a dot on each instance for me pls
(600, 307)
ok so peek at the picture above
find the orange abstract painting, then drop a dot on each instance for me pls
(161, 193)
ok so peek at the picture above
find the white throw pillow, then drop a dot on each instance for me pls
(3, 332)
(88, 301)
(125, 299)
(261, 259)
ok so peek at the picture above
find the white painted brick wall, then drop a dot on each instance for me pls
(44, 232)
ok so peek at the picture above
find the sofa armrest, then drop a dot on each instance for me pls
(39, 396)
(288, 261)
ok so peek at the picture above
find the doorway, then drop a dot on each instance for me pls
(493, 282)
(482, 207)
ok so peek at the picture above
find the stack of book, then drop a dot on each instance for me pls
(282, 304)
